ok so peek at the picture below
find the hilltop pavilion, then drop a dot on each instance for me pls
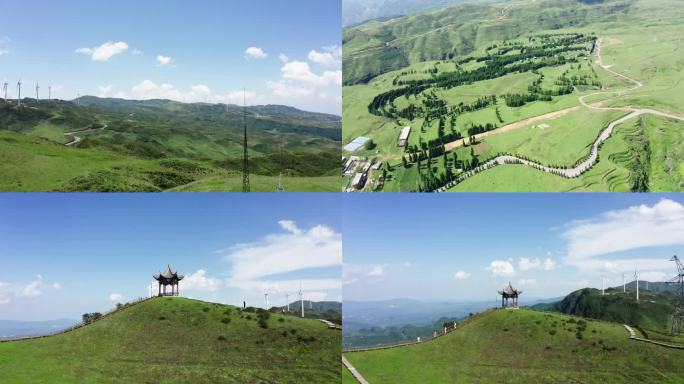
(171, 278)
(509, 293)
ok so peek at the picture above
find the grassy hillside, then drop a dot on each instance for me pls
(523, 346)
(652, 314)
(513, 74)
(154, 145)
(171, 340)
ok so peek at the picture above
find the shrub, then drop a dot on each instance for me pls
(221, 338)
(281, 319)
(305, 339)
(552, 332)
(205, 309)
(225, 320)
(162, 318)
(263, 323)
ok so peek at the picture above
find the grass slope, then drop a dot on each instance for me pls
(524, 346)
(170, 340)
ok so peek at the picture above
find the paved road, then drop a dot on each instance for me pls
(353, 371)
(76, 139)
(589, 162)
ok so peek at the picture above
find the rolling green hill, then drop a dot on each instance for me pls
(524, 346)
(652, 314)
(178, 340)
(95, 144)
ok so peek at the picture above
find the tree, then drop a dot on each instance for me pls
(370, 145)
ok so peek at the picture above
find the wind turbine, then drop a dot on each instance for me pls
(603, 283)
(636, 278)
(37, 89)
(301, 298)
(624, 287)
(287, 298)
(4, 89)
(49, 92)
(19, 93)
(266, 295)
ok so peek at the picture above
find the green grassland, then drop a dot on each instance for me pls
(159, 145)
(178, 340)
(523, 346)
(640, 38)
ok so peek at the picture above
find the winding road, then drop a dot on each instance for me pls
(591, 160)
(76, 139)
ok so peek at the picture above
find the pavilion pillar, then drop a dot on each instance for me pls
(159, 286)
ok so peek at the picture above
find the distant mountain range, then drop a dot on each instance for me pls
(358, 11)
(16, 328)
(328, 310)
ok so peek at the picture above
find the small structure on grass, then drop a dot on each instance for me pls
(509, 293)
(404, 135)
(171, 278)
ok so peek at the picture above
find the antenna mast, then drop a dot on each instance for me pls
(678, 314)
(245, 158)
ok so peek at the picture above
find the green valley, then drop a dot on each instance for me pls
(550, 95)
(94, 144)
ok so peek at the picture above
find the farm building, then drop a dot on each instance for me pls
(403, 136)
(356, 144)
(359, 180)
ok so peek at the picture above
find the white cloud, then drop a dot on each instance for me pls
(115, 297)
(198, 281)
(527, 281)
(462, 275)
(33, 288)
(56, 285)
(501, 268)
(526, 264)
(283, 58)
(288, 89)
(105, 51)
(661, 224)
(137, 52)
(330, 58)
(549, 264)
(407, 264)
(377, 271)
(163, 61)
(295, 250)
(148, 89)
(3, 45)
(5, 296)
(653, 276)
(301, 71)
(104, 90)
(255, 53)
(315, 296)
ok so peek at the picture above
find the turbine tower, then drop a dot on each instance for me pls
(301, 298)
(4, 89)
(603, 283)
(280, 187)
(37, 90)
(287, 299)
(19, 93)
(624, 287)
(49, 92)
(636, 280)
(266, 296)
(678, 314)
(245, 155)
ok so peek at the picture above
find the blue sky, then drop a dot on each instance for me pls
(66, 254)
(463, 247)
(188, 51)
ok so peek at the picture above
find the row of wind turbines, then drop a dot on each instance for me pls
(287, 301)
(624, 284)
(19, 83)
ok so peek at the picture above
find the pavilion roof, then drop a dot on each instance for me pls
(509, 290)
(168, 274)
